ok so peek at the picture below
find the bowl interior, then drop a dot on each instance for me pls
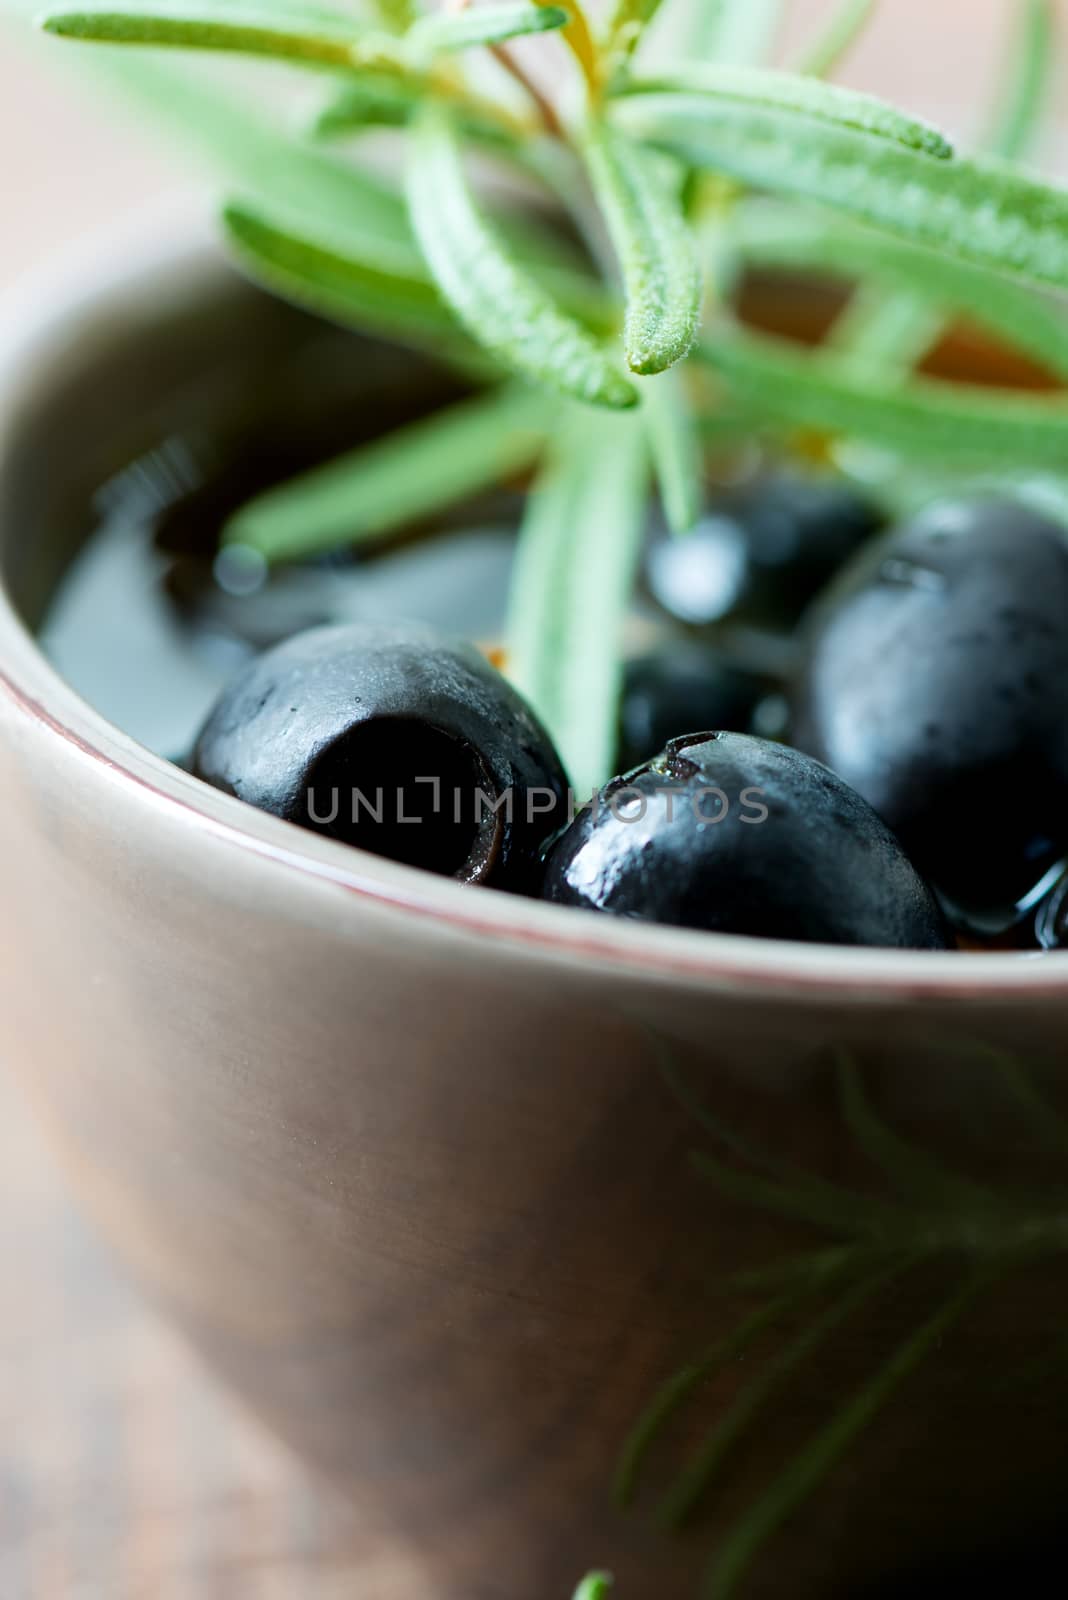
(91, 378)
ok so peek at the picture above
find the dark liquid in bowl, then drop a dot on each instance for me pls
(150, 620)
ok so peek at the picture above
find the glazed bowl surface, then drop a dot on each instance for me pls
(447, 1182)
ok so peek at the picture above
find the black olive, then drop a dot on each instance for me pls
(936, 683)
(762, 553)
(735, 834)
(355, 731)
(1051, 921)
(682, 686)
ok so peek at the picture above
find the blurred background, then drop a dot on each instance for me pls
(124, 1473)
(70, 160)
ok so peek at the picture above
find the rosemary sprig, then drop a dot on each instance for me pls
(488, 288)
(937, 1216)
(803, 1475)
(399, 479)
(1020, 113)
(657, 251)
(926, 419)
(594, 1587)
(578, 549)
(675, 446)
(708, 91)
(669, 176)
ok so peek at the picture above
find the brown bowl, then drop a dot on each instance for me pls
(448, 1183)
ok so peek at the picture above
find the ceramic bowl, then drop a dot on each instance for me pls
(447, 1183)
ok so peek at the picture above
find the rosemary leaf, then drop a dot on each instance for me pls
(580, 41)
(402, 478)
(895, 331)
(803, 1475)
(391, 101)
(918, 1175)
(676, 449)
(693, 1484)
(495, 297)
(293, 33)
(304, 35)
(703, 91)
(980, 211)
(773, 235)
(628, 22)
(231, 136)
(841, 33)
(925, 418)
(396, 14)
(841, 1211)
(594, 1587)
(578, 553)
(673, 1395)
(1027, 88)
(826, 1204)
(355, 285)
(885, 332)
(656, 248)
(736, 32)
(489, 24)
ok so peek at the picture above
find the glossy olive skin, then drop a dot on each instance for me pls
(353, 731)
(762, 552)
(795, 854)
(1051, 921)
(935, 681)
(674, 690)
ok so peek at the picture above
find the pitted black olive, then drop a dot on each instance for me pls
(762, 553)
(738, 835)
(683, 686)
(397, 740)
(936, 683)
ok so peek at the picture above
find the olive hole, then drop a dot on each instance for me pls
(407, 791)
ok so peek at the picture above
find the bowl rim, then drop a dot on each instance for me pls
(164, 250)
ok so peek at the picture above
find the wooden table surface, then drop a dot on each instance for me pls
(125, 1472)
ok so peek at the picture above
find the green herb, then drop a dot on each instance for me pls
(927, 418)
(399, 479)
(706, 93)
(773, 236)
(802, 1476)
(578, 549)
(496, 299)
(303, 34)
(491, 24)
(843, 30)
(1020, 114)
(689, 173)
(690, 1488)
(293, 33)
(931, 1215)
(649, 180)
(397, 14)
(594, 1587)
(657, 251)
(628, 22)
(676, 450)
(362, 285)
